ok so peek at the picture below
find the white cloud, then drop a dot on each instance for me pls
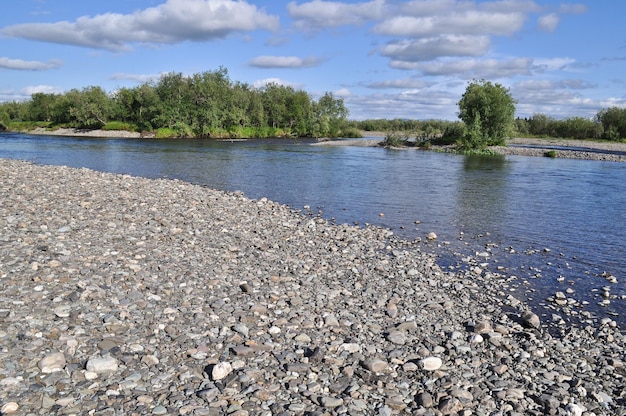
(406, 83)
(20, 65)
(318, 14)
(427, 49)
(548, 22)
(433, 103)
(284, 62)
(267, 81)
(46, 89)
(474, 68)
(552, 64)
(171, 22)
(472, 22)
(141, 78)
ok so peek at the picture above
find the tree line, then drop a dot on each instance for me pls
(207, 104)
(210, 104)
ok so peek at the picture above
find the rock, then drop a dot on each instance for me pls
(424, 400)
(375, 365)
(101, 365)
(330, 402)
(52, 362)
(9, 407)
(573, 409)
(430, 363)
(483, 327)
(221, 370)
(450, 406)
(431, 236)
(397, 337)
(531, 320)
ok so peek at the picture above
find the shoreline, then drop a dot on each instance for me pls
(607, 151)
(159, 296)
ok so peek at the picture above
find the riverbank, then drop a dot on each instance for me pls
(86, 133)
(608, 151)
(129, 295)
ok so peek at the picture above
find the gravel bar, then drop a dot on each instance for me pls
(130, 296)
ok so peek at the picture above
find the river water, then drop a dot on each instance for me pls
(552, 223)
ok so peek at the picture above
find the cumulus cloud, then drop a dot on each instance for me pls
(45, 89)
(548, 22)
(472, 22)
(20, 65)
(318, 14)
(268, 81)
(141, 78)
(171, 22)
(552, 64)
(475, 68)
(426, 49)
(284, 62)
(405, 83)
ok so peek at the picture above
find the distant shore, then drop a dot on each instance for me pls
(581, 149)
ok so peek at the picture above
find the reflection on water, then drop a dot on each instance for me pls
(575, 208)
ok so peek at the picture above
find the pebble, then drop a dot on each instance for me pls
(431, 363)
(101, 365)
(221, 370)
(145, 296)
(9, 407)
(52, 362)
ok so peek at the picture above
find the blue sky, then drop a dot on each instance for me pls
(385, 58)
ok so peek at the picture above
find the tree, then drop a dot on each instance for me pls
(488, 112)
(613, 121)
(89, 108)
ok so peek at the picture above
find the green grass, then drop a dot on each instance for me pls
(119, 125)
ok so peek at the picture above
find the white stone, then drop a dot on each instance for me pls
(52, 362)
(351, 347)
(221, 370)
(431, 363)
(573, 409)
(8, 408)
(101, 365)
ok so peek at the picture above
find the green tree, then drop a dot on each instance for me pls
(488, 112)
(613, 121)
(89, 108)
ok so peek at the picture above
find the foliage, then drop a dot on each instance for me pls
(119, 125)
(550, 153)
(395, 139)
(488, 113)
(206, 104)
(613, 121)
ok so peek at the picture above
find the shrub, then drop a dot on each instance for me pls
(395, 139)
(550, 153)
(119, 125)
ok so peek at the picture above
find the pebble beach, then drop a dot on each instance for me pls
(130, 296)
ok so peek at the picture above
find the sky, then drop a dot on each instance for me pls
(385, 58)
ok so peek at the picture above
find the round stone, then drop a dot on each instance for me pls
(431, 363)
(100, 365)
(52, 362)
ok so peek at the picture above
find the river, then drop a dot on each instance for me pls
(554, 224)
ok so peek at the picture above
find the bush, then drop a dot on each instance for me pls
(119, 125)
(395, 139)
(351, 133)
(550, 153)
